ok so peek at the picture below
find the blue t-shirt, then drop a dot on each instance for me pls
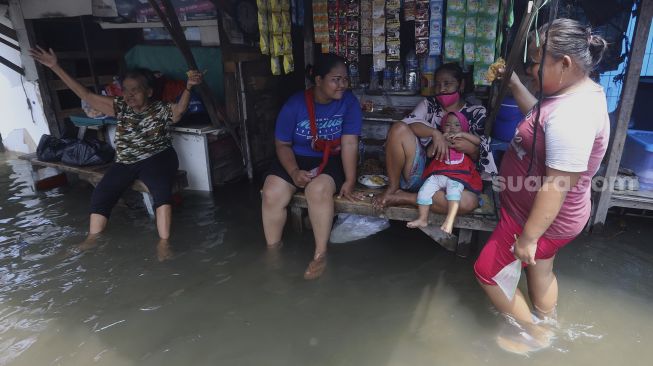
(337, 118)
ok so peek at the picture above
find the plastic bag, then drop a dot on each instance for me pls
(51, 148)
(350, 227)
(508, 278)
(83, 153)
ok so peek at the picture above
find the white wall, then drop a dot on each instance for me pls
(20, 128)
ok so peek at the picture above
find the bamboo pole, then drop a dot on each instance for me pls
(512, 61)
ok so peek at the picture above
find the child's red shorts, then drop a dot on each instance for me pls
(496, 254)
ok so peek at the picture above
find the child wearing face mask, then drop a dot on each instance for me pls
(453, 175)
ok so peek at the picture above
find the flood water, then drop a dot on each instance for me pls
(394, 298)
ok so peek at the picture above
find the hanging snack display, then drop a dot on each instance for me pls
(274, 27)
(337, 26)
(469, 45)
(263, 26)
(454, 37)
(422, 27)
(353, 30)
(392, 24)
(486, 37)
(366, 27)
(321, 24)
(435, 27)
(409, 10)
(378, 34)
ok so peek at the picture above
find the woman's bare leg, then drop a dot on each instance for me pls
(163, 218)
(543, 287)
(276, 196)
(97, 224)
(319, 196)
(399, 155)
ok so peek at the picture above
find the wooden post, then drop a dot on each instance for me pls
(634, 68)
(171, 22)
(89, 56)
(516, 52)
(242, 98)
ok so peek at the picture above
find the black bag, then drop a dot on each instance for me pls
(91, 152)
(51, 148)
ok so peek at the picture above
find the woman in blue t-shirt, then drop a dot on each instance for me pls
(316, 140)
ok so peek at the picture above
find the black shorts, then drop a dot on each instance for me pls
(333, 169)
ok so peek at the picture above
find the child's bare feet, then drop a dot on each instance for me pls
(417, 223)
(447, 226)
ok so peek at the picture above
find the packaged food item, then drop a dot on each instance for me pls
(366, 27)
(422, 10)
(321, 24)
(435, 27)
(421, 29)
(264, 27)
(393, 43)
(288, 64)
(276, 23)
(422, 46)
(493, 70)
(409, 10)
(275, 66)
(285, 22)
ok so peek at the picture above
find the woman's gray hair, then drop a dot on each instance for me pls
(569, 37)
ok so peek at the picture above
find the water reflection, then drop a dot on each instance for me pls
(221, 298)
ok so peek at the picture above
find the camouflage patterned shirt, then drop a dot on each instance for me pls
(141, 135)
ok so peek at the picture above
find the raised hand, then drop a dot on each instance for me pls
(46, 58)
(194, 78)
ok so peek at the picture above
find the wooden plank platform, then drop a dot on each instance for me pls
(482, 219)
(93, 174)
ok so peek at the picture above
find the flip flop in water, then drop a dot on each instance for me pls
(516, 339)
(316, 267)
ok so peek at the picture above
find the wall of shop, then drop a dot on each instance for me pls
(23, 121)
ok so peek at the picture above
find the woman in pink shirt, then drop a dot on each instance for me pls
(546, 174)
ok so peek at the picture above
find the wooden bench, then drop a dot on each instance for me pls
(483, 218)
(93, 175)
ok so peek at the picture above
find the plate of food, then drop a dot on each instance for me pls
(373, 180)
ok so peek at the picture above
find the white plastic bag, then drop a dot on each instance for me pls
(508, 278)
(350, 227)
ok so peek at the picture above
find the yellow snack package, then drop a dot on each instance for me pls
(288, 64)
(285, 22)
(275, 66)
(264, 41)
(277, 45)
(276, 26)
(287, 44)
(274, 5)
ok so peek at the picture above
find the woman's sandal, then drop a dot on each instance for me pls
(316, 267)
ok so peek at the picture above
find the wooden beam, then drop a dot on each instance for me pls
(628, 92)
(514, 57)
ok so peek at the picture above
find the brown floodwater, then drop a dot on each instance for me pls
(394, 298)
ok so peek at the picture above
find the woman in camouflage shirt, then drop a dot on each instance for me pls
(143, 145)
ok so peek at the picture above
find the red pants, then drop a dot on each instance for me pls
(496, 254)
